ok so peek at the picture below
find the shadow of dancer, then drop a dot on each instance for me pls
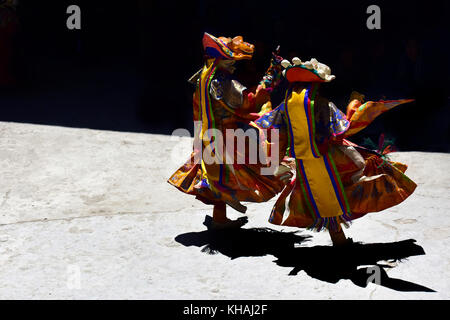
(358, 262)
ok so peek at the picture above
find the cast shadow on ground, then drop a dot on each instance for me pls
(358, 262)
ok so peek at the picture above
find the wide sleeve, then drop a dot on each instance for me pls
(361, 115)
(237, 98)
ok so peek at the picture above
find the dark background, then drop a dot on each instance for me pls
(127, 68)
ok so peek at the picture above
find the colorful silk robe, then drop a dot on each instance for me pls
(336, 181)
(220, 103)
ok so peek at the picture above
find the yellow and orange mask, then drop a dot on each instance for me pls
(227, 48)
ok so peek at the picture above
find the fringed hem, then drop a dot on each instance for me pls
(332, 223)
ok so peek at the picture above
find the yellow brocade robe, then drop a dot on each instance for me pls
(336, 181)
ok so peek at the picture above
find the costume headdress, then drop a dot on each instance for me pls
(227, 48)
(308, 71)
